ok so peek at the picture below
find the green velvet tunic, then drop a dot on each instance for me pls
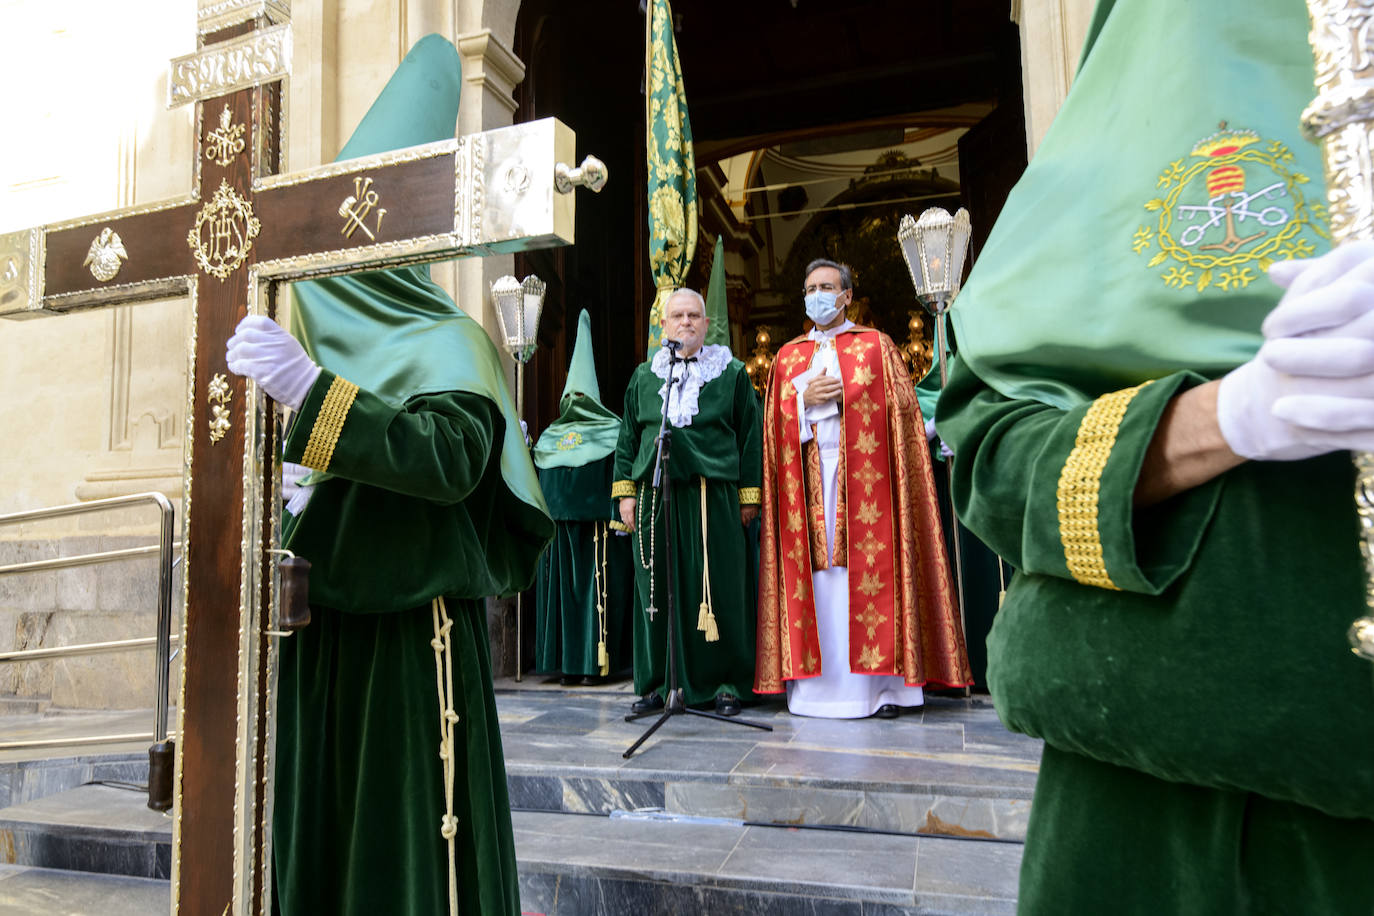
(406, 514)
(723, 445)
(567, 629)
(1218, 662)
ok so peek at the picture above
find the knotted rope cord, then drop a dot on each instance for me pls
(706, 618)
(442, 644)
(601, 542)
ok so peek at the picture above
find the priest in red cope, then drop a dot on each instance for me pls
(856, 609)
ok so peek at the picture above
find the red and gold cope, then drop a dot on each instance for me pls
(902, 616)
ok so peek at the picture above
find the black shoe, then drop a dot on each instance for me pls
(650, 702)
(593, 680)
(888, 711)
(727, 704)
(568, 680)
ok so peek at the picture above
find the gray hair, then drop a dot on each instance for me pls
(846, 278)
(684, 291)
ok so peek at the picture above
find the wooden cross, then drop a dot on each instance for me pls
(241, 231)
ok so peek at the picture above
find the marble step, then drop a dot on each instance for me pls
(572, 865)
(24, 781)
(72, 848)
(949, 769)
(29, 891)
(93, 828)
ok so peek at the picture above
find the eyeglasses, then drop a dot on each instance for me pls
(824, 287)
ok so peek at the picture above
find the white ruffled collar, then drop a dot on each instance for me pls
(710, 362)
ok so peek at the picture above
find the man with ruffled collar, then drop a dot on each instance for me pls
(715, 472)
(856, 610)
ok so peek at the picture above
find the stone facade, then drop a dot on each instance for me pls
(1052, 33)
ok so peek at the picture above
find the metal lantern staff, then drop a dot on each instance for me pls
(934, 247)
(518, 304)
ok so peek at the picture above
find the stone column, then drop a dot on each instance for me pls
(490, 73)
(1052, 33)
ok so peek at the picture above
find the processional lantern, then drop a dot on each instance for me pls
(934, 247)
(518, 304)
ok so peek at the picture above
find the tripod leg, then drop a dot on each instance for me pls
(733, 720)
(667, 713)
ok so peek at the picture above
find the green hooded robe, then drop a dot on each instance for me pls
(425, 493)
(584, 594)
(1209, 737)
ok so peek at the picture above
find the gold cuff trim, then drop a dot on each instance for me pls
(622, 488)
(750, 496)
(1080, 483)
(620, 526)
(329, 422)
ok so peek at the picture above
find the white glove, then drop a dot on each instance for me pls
(525, 430)
(945, 450)
(930, 428)
(262, 351)
(296, 495)
(1310, 389)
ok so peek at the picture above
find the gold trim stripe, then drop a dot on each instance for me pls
(1080, 484)
(329, 423)
(620, 526)
(750, 496)
(622, 488)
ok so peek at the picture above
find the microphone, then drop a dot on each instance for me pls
(672, 345)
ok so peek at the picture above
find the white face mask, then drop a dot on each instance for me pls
(821, 308)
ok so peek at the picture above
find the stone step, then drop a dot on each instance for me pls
(31, 773)
(570, 865)
(28, 891)
(949, 769)
(95, 828)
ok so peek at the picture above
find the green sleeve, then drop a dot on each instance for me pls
(627, 446)
(1052, 490)
(434, 447)
(928, 392)
(749, 429)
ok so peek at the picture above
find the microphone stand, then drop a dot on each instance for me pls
(674, 704)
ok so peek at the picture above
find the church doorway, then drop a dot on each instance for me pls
(816, 126)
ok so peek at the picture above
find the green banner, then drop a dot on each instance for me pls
(671, 166)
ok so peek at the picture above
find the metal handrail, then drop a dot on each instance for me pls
(163, 639)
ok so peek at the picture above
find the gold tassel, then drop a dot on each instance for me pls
(706, 621)
(603, 658)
